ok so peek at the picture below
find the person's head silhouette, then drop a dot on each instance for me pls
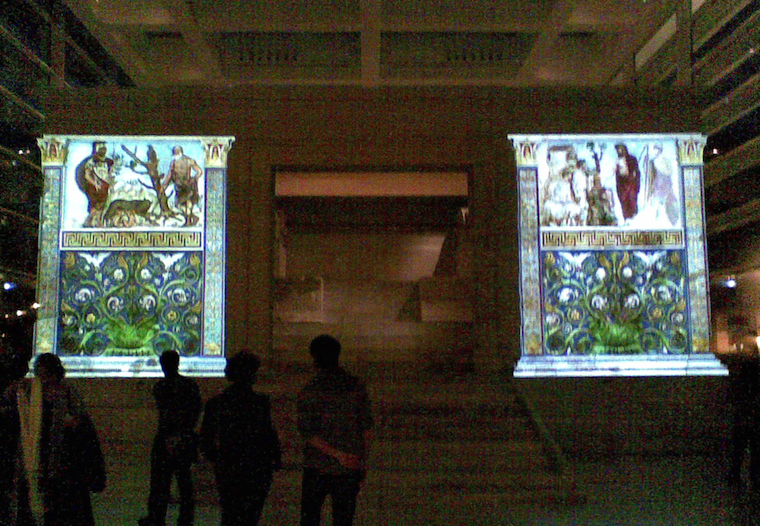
(170, 363)
(325, 351)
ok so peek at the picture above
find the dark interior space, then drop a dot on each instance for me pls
(386, 271)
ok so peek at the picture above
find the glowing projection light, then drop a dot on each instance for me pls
(132, 256)
(612, 256)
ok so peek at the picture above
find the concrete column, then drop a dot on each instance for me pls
(57, 59)
(685, 74)
(370, 42)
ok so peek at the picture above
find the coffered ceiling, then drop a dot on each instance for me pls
(374, 42)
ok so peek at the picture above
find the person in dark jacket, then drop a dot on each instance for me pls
(175, 446)
(335, 421)
(238, 436)
(13, 367)
(58, 459)
(744, 397)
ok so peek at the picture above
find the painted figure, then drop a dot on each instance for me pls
(600, 204)
(628, 180)
(561, 207)
(184, 172)
(94, 176)
(661, 197)
(579, 183)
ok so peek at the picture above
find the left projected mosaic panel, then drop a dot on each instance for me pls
(132, 247)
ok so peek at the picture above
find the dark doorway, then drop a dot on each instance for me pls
(378, 258)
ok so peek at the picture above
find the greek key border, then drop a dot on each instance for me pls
(131, 240)
(552, 239)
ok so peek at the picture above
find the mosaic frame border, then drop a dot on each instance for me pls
(210, 242)
(533, 242)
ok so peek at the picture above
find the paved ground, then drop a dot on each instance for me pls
(637, 491)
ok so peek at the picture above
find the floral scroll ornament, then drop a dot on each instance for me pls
(690, 151)
(526, 153)
(620, 303)
(131, 304)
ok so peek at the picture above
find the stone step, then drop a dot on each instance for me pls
(503, 408)
(474, 453)
(445, 457)
(463, 425)
(364, 325)
(331, 301)
(438, 457)
(404, 411)
(431, 471)
(387, 498)
(464, 449)
(399, 416)
(432, 430)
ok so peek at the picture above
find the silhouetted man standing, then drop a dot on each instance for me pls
(335, 420)
(237, 435)
(175, 446)
(744, 397)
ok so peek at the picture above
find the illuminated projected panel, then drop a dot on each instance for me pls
(132, 245)
(612, 256)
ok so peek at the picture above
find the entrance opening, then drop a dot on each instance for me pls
(380, 259)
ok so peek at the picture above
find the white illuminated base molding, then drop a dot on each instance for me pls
(81, 367)
(659, 365)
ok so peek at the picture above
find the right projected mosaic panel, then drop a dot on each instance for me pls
(612, 255)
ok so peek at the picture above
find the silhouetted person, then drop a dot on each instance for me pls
(237, 435)
(13, 367)
(175, 446)
(744, 396)
(335, 420)
(58, 459)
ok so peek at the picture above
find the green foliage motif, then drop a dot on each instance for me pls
(614, 302)
(130, 303)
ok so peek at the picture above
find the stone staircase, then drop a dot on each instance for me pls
(448, 451)
(470, 439)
